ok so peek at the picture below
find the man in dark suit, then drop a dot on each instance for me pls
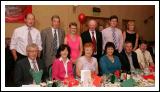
(22, 75)
(52, 38)
(94, 36)
(128, 58)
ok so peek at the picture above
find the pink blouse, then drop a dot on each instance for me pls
(75, 46)
(59, 71)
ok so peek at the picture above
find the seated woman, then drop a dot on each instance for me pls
(109, 63)
(87, 62)
(62, 66)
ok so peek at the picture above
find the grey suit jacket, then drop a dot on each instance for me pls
(48, 54)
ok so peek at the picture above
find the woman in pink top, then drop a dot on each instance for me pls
(62, 66)
(73, 40)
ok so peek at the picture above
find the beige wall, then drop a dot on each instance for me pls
(139, 13)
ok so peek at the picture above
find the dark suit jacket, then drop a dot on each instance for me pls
(22, 75)
(87, 38)
(125, 61)
(48, 54)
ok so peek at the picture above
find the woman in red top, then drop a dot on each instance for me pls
(62, 66)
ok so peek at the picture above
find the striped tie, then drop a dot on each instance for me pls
(114, 37)
(55, 41)
(34, 66)
(29, 36)
(145, 60)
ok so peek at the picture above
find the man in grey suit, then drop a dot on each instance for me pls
(52, 38)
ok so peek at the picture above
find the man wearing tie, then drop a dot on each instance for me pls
(94, 36)
(24, 35)
(113, 34)
(22, 75)
(52, 38)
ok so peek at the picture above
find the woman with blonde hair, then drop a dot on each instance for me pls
(131, 35)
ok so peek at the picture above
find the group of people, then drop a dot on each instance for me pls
(68, 54)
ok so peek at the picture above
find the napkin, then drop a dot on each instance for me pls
(117, 74)
(128, 83)
(36, 75)
(151, 76)
(97, 81)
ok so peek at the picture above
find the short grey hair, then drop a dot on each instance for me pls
(32, 45)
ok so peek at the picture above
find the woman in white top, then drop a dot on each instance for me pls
(87, 62)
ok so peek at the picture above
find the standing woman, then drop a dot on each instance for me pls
(73, 40)
(62, 66)
(109, 63)
(131, 35)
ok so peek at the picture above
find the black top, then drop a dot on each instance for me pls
(131, 37)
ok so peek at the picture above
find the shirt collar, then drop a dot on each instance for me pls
(27, 27)
(60, 59)
(91, 31)
(128, 54)
(54, 29)
(30, 60)
(112, 28)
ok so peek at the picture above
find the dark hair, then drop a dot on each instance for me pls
(109, 44)
(143, 42)
(113, 17)
(73, 24)
(62, 48)
(126, 42)
(28, 14)
(55, 16)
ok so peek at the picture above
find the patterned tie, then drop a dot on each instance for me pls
(34, 66)
(94, 41)
(55, 41)
(114, 37)
(145, 60)
(29, 35)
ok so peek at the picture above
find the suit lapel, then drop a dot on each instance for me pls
(39, 64)
(50, 35)
(28, 66)
(88, 35)
(59, 36)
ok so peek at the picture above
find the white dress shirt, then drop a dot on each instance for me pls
(91, 34)
(65, 66)
(130, 61)
(107, 37)
(19, 40)
(31, 64)
(141, 58)
(53, 31)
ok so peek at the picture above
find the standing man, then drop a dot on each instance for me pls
(52, 38)
(94, 36)
(24, 35)
(113, 34)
